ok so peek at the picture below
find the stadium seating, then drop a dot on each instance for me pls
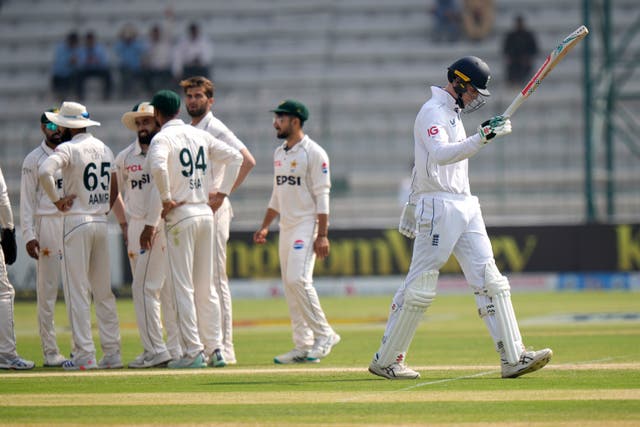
(364, 68)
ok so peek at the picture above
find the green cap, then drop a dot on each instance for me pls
(166, 101)
(43, 118)
(294, 108)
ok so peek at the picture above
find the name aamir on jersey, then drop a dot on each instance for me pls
(98, 198)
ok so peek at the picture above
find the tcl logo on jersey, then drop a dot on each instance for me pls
(277, 163)
(433, 131)
(298, 244)
(134, 168)
(288, 179)
(137, 183)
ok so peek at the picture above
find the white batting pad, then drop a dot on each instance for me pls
(499, 290)
(403, 322)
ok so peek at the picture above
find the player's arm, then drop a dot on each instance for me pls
(47, 169)
(321, 187)
(260, 236)
(444, 151)
(28, 205)
(248, 163)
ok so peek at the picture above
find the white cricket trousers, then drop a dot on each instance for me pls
(86, 273)
(7, 331)
(190, 249)
(221, 223)
(153, 298)
(48, 278)
(297, 260)
(449, 223)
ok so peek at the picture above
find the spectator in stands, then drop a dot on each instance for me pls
(158, 59)
(193, 55)
(446, 15)
(94, 62)
(130, 51)
(477, 18)
(65, 66)
(519, 50)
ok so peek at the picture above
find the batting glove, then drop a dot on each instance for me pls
(9, 246)
(407, 226)
(494, 127)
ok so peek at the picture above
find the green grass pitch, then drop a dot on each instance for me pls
(592, 380)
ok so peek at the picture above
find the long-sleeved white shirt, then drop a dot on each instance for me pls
(86, 164)
(442, 147)
(6, 215)
(179, 158)
(219, 130)
(301, 182)
(34, 201)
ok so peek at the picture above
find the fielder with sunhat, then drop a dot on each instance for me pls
(149, 288)
(85, 163)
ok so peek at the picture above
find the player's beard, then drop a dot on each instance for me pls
(282, 133)
(145, 137)
(55, 139)
(197, 111)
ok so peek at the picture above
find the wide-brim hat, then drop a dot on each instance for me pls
(143, 109)
(71, 115)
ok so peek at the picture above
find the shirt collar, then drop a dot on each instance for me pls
(173, 122)
(45, 147)
(445, 97)
(202, 124)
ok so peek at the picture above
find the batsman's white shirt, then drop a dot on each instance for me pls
(442, 147)
(301, 182)
(7, 335)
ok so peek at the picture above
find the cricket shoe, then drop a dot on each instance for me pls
(150, 360)
(395, 371)
(53, 360)
(530, 361)
(294, 356)
(17, 363)
(79, 365)
(189, 362)
(216, 360)
(111, 361)
(322, 347)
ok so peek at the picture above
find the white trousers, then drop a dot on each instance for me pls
(48, 278)
(297, 260)
(190, 250)
(7, 331)
(449, 224)
(86, 274)
(221, 224)
(153, 298)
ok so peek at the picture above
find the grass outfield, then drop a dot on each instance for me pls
(592, 380)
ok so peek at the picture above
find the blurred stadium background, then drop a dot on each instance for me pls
(364, 68)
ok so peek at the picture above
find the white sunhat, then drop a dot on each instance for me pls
(71, 115)
(143, 109)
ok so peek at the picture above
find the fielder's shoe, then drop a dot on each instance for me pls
(53, 360)
(530, 361)
(395, 371)
(150, 360)
(111, 361)
(216, 360)
(294, 356)
(322, 347)
(79, 365)
(229, 356)
(17, 363)
(188, 362)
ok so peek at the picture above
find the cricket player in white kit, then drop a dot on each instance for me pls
(444, 218)
(86, 165)
(300, 196)
(9, 358)
(179, 158)
(199, 100)
(41, 225)
(151, 292)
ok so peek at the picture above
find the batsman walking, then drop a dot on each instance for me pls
(444, 218)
